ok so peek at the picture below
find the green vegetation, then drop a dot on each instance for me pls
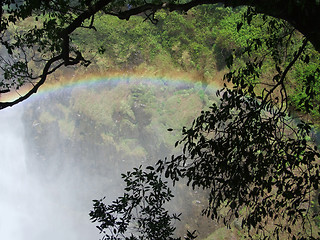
(197, 42)
(307, 74)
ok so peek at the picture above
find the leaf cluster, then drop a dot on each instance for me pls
(140, 212)
(254, 162)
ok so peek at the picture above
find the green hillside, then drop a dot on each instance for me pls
(198, 43)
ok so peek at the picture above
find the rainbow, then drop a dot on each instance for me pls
(91, 81)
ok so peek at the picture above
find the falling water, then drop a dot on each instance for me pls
(30, 210)
(13, 178)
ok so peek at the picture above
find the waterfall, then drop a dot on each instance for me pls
(12, 174)
(29, 209)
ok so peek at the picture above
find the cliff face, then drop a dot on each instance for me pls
(107, 130)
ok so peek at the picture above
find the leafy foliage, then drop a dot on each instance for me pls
(139, 213)
(253, 161)
(305, 96)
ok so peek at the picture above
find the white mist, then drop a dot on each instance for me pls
(30, 209)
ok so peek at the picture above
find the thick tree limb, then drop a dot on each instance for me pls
(90, 12)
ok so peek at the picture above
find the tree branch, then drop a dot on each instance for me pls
(285, 72)
(92, 10)
(36, 86)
